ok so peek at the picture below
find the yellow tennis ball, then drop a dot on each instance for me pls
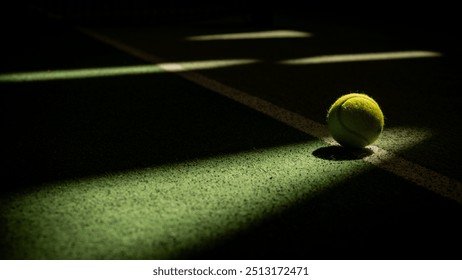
(355, 120)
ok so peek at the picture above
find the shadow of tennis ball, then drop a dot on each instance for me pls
(338, 153)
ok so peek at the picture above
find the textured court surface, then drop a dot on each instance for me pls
(117, 160)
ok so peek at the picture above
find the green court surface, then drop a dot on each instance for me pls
(157, 142)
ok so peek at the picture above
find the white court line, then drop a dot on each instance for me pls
(386, 160)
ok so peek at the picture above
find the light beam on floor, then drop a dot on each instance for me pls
(163, 211)
(270, 34)
(65, 74)
(338, 58)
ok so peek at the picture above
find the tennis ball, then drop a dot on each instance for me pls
(355, 120)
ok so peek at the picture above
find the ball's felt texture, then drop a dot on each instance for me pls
(355, 120)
